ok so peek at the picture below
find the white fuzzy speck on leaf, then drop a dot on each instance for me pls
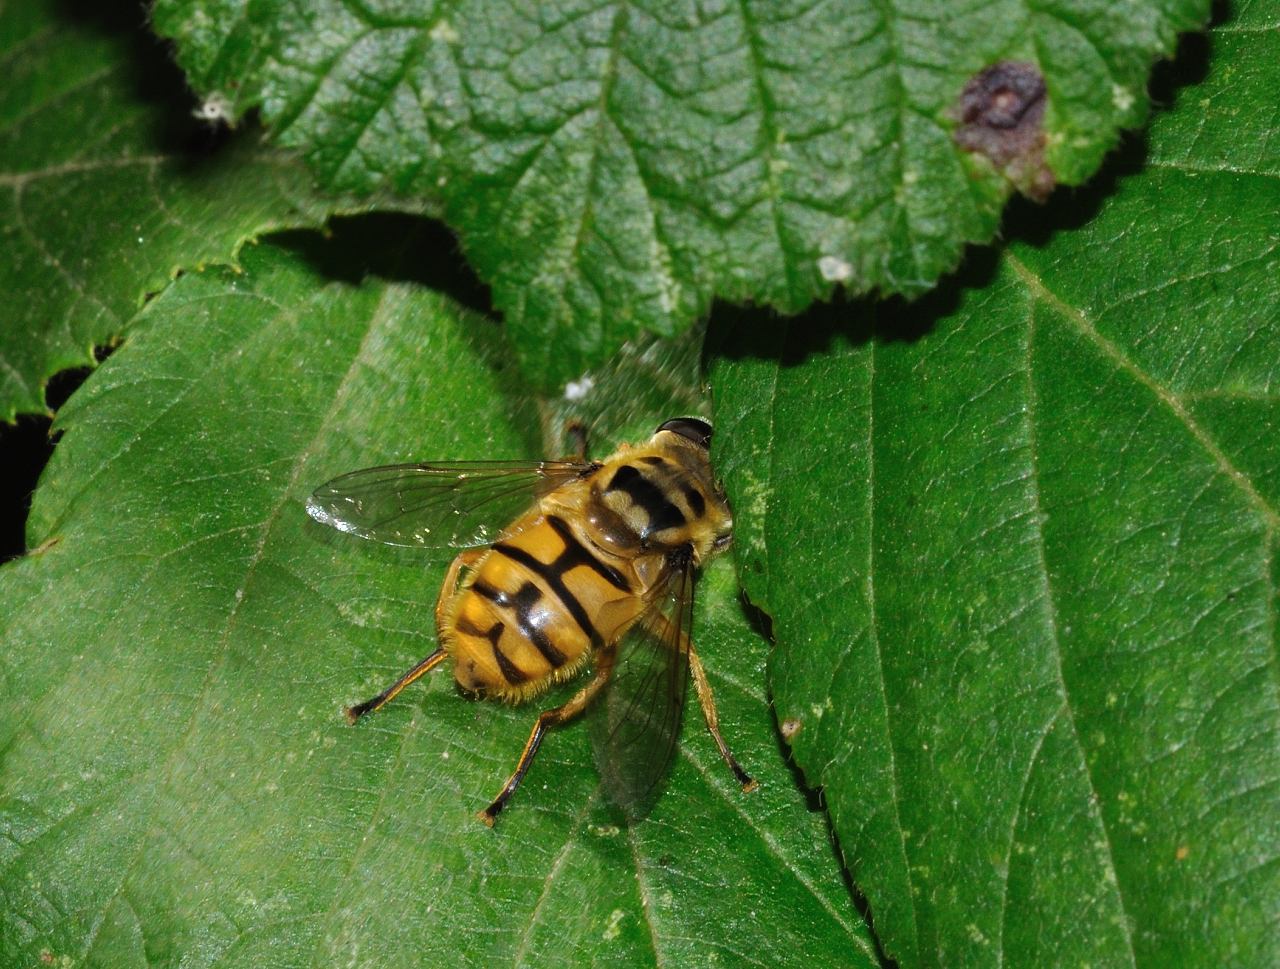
(215, 109)
(577, 389)
(834, 269)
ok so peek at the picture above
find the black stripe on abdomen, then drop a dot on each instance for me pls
(550, 573)
(644, 493)
(485, 591)
(510, 672)
(522, 604)
(575, 554)
(525, 599)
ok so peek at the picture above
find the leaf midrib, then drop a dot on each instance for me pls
(1170, 400)
(769, 138)
(1050, 621)
(873, 631)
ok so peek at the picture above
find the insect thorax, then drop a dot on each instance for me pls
(655, 499)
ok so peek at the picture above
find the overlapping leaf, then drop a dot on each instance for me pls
(1019, 549)
(614, 166)
(177, 784)
(108, 185)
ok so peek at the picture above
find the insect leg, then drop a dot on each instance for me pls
(386, 696)
(447, 590)
(550, 718)
(465, 559)
(706, 699)
(708, 703)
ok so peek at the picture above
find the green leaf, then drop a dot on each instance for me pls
(108, 186)
(1018, 545)
(613, 167)
(177, 784)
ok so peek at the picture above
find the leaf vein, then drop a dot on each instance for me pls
(1055, 634)
(873, 632)
(170, 764)
(1168, 398)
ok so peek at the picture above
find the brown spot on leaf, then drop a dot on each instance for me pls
(790, 727)
(1182, 852)
(1001, 114)
(44, 546)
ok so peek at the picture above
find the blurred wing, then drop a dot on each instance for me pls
(636, 722)
(436, 505)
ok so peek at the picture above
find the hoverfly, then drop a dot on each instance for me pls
(596, 571)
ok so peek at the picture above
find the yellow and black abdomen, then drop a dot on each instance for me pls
(530, 613)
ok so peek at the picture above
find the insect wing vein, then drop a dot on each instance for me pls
(636, 723)
(436, 505)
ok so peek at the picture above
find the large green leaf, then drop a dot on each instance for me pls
(1018, 545)
(613, 166)
(108, 185)
(177, 784)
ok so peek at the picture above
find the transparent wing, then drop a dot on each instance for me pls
(647, 380)
(436, 505)
(636, 722)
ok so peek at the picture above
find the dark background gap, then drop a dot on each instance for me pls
(25, 447)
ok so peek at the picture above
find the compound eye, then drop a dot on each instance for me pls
(691, 428)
